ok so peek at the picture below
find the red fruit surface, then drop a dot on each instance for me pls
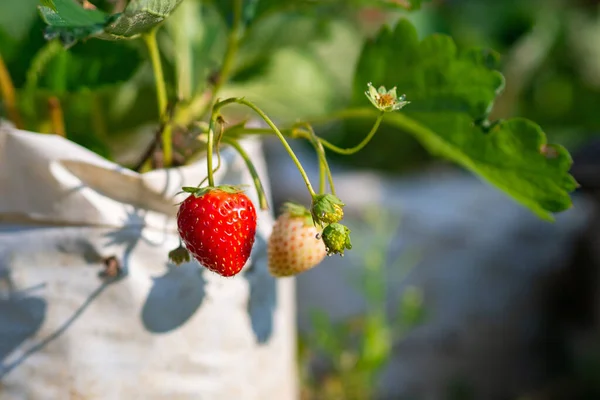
(218, 228)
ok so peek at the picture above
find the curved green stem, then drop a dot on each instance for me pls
(161, 93)
(218, 161)
(321, 177)
(262, 198)
(209, 151)
(322, 162)
(357, 113)
(324, 169)
(218, 144)
(281, 138)
(241, 130)
(359, 146)
(210, 139)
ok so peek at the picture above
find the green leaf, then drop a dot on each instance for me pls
(70, 22)
(140, 16)
(451, 94)
(67, 13)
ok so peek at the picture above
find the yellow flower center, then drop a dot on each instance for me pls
(385, 100)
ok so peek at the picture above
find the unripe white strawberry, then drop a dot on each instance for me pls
(294, 246)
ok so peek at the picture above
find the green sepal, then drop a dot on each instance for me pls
(179, 255)
(199, 192)
(327, 209)
(298, 211)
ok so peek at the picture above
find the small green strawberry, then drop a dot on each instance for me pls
(336, 238)
(294, 246)
(327, 209)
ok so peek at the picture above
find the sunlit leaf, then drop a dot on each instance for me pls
(451, 94)
(70, 22)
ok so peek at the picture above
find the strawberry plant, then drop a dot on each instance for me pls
(205, 86)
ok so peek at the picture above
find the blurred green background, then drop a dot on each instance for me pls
(299, 63)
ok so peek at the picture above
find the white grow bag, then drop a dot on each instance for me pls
(160, 331)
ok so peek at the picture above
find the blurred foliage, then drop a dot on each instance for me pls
(307, 42)
(551, 51)
(353, 352)
(106, 88)
(549, 56)
(451, 94)
(307, 59)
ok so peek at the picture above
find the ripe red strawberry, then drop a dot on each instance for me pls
(294, 246)
(218, 226)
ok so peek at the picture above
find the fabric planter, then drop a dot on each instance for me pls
(158, 331)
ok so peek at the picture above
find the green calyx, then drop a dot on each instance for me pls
(336, 238)
(179, 256)
(199, 192)
(296, 210)
(327, 209)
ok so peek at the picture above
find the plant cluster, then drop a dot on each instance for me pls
(451, 93)
(218, 222)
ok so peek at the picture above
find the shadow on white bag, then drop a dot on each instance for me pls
(90, 306)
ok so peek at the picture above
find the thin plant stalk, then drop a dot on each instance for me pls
(262, 198)
(7, 90)
(359, 146)
(324, 170)
(281, 138)
(358, 113)
(161, 93)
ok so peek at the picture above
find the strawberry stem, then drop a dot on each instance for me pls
(260, 191)
(210, 141)
(345, 114)
(218, 144)
(209, 151)
(218, 160)
(359, 146)
(280, 136)
(321, 177)
(161, 93)
(323, 164)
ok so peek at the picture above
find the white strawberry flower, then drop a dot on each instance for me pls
(385, 100)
